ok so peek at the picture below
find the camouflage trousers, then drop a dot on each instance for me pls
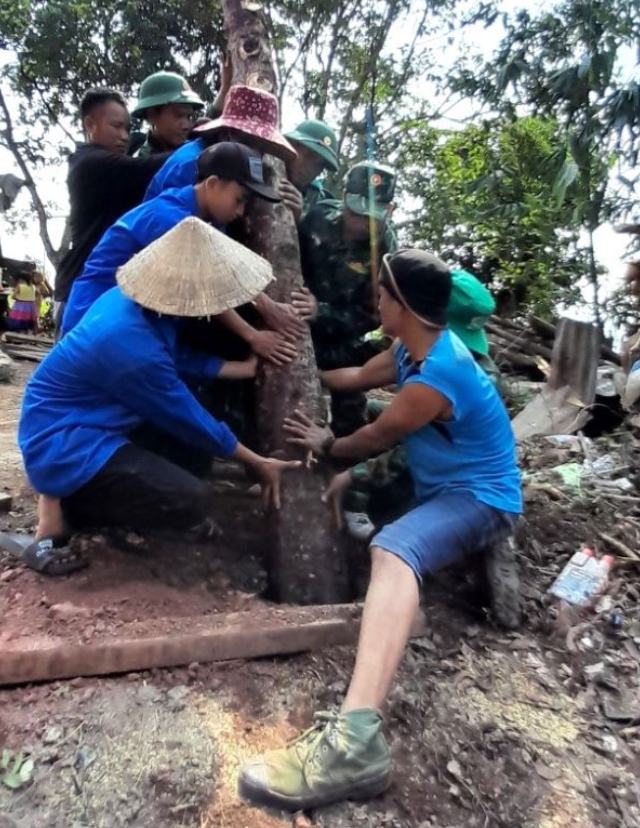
(382, 486)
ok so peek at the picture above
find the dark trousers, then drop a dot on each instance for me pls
(141, 491)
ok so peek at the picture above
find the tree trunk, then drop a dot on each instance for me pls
(307, 559)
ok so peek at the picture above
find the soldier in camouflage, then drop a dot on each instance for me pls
(341, 245)
(169, 106)
(317, 147)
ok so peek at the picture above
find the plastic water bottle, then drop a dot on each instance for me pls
(584, 577)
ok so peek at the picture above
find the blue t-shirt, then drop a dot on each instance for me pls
(475, 451)
(119, 367)
(179, 170)
(128, 236)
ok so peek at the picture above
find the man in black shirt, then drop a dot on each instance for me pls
(104, 182)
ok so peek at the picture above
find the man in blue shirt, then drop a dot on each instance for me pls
(228, 174)
(461, 452)
(122, 366)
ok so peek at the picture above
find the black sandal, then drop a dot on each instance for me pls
(50, 555)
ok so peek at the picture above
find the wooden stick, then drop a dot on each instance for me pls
(620, 547)
(239, 636)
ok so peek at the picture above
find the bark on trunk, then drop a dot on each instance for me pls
(307, 559)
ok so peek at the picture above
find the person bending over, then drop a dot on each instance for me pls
(121, 367)
(462, 456)
(228, 175)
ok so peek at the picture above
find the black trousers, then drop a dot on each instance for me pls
(141, 491)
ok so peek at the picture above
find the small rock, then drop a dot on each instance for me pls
(178, 693)
(52, 734)
(66, 611)
(8, 575)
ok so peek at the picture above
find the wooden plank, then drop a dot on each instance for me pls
(24, 352)
(245, 639)
(31, 339)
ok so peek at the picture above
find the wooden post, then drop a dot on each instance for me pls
(307, 556)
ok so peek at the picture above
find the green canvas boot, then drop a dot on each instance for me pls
(343, 756)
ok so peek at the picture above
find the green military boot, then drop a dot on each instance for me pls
(343, 756)
(501, 570)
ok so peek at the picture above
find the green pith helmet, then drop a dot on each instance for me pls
(319, 138)
(163, 88)
(469, 309)
(369, 189)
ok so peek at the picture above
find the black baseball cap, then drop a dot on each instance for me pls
(236, 162)
(420, 281)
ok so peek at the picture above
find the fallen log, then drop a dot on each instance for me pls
(235, 636)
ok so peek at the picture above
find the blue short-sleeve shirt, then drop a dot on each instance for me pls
(475, 451)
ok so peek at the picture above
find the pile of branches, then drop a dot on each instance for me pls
(524, 346)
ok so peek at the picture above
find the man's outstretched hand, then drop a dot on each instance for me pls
(304, 432)
(270, 470)
(334, 495)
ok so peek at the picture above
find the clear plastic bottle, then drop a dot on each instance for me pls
(583, 578)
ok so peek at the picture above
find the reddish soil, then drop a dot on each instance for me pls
(530, 730)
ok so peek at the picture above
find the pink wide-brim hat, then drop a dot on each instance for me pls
(253, 112)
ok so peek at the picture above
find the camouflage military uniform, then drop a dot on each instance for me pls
(314, 193)
(340, 275)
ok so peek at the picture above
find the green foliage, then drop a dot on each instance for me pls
(564, 63)
(15, 770)
(488, 200)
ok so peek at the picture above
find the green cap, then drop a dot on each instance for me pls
(164, 88)
(469, 309)
(369, 189)
(319, 138)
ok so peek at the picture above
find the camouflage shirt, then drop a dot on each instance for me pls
(340, 275)
(314, 193)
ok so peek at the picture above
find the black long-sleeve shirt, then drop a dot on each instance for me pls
(103, 186)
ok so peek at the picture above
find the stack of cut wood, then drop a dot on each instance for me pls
(26, 346)
(523, 346)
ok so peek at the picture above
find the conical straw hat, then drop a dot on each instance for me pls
(194, 270)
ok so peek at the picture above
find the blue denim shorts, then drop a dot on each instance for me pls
(443, 530)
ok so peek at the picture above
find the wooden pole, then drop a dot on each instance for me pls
(306, 556)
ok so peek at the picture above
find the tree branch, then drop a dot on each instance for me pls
(14, 148)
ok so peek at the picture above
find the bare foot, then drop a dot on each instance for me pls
(50, 518)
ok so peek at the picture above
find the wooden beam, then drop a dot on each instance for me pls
(236, 636)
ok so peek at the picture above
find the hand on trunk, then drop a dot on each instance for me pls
(292, 197)
(334, 495)
(305, 304)
(304, 432)
(273, 346)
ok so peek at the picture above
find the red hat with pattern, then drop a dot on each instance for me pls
(254, 113)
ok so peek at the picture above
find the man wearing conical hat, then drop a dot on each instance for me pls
(169, 105)
(342, 243)
(228, 175)
(120, 367)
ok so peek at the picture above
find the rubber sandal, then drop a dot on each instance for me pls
(50, 556)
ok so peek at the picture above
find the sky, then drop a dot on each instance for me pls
(25, 242)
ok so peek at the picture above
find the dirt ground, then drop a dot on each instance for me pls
(538, 729)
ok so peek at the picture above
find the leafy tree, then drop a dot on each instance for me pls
(487, 201)
(566, 63)
(336, 57)
(58, 49)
